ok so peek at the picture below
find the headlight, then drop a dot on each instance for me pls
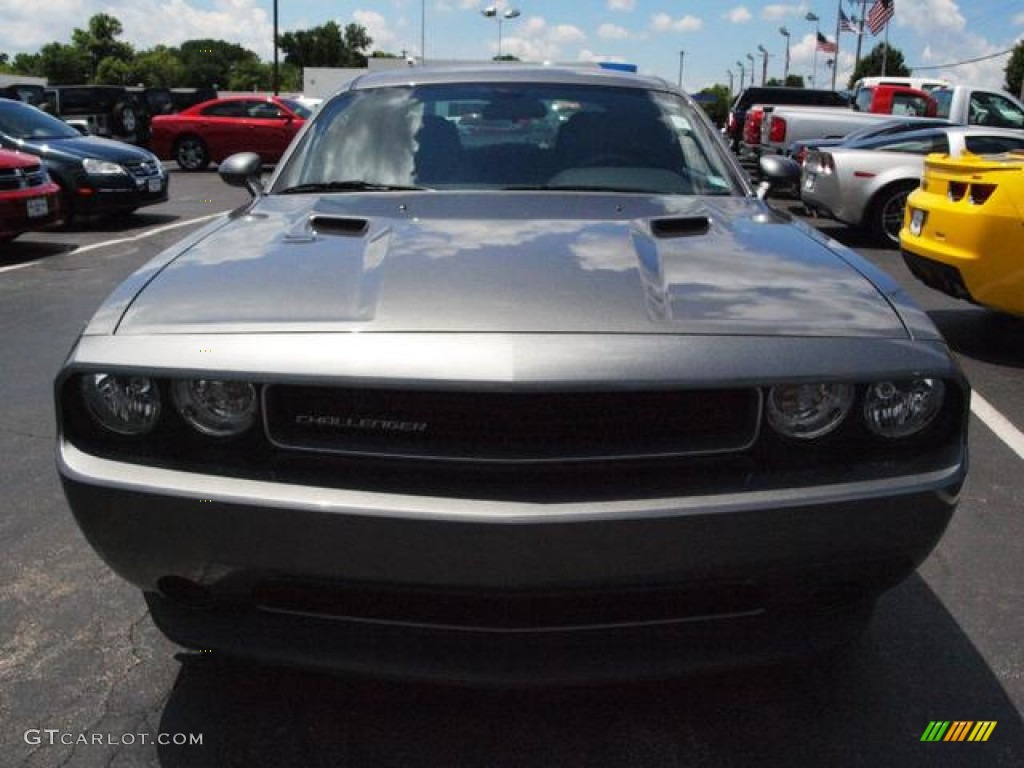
(102, 167)
(902, 408)
(217, 408)
(807, 411)
(127, 405)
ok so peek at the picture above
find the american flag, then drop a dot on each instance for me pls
(848, 23)
(825, 45)
(880, 14)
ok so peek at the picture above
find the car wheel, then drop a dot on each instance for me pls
(191, 154)
(887, 212)
(125, 121)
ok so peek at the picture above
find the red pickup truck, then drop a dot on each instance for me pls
(895, 100)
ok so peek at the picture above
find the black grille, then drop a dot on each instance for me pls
(22, 178)
(144, 170)
(512, 426)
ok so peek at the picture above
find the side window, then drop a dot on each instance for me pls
(1002, 112)
(908, 104)
(993, 145)
(919, 145)
(225, 109)
(263, 110)
(863, 101)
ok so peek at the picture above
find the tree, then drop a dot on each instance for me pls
(871, 65)
(250, 74)
(159, 67)
(795, 81)
(326, 46)
(63, 64)
(28, 64)
(208, 62)
(716, 102)
(99, 41)
(113, 71)
(1015, 71)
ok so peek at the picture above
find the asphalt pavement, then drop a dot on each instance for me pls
(86, 680)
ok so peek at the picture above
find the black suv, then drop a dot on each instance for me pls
(107, 110)
(803, 97)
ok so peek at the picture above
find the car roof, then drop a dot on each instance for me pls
(984, 130)
(508, 73)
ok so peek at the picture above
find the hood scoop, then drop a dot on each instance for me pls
(680, 226)
(325, 225)
(347, 226)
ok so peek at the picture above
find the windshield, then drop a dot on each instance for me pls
(509, 136)
(298, 108)
(21, 121)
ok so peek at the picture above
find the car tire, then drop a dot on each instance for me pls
(125, 119)
(191, 154)
(886, 217)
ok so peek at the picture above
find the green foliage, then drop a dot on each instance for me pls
(208, 62)
(871, 65)
(250, 74)
(159, 67)
(1015, 71)
(718, 110)
(63, 64)
(506, 57)
(112, 71)
(795, 81)
(99, 42)
(326, 46)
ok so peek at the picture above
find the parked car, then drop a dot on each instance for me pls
(183, 98)
(798, 149)
(961, 104)
(516, 412)
(28, 198)
(867, 184)
(31, 93)
(211, 131)
(775, 95)
(962, 231)
(895, 100)
(95, 175)
(109, 111)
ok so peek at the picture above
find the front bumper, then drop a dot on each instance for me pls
(501, 590)
(93, 197)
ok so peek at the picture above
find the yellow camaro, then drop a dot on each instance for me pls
(963, 229)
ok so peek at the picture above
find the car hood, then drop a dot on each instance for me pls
(513, 263)
(82, 147)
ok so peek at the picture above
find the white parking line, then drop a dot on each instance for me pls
(121, 240)
(998, 423)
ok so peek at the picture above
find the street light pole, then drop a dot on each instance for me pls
(785, 72)
(423, 31)
(732, 81)
(764, 63)
(753, 77)
(682, 55)
(817, 31)
(276, 78)
(492, 12)
(742, 73)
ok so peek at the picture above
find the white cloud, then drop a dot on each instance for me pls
(739, 15)
(927, 16)
(621, 5)
(1018, 20)
(586, 55)
(777, 11)
(662, 22)
(612, 32)
(538, 41)
(377, 27)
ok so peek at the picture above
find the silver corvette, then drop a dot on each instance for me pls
(545, 394)
(866, 184)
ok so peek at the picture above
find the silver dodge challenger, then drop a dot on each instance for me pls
(509, 375)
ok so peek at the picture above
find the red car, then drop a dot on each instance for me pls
(28, 198)
(212, 130)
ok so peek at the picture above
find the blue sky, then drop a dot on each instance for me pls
(649, 33)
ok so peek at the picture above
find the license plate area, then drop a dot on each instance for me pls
(37, 207)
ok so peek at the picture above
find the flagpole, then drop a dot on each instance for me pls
(860, 30)
(885, 50)
(835, 66)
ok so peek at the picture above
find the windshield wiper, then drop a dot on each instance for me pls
(351, 185)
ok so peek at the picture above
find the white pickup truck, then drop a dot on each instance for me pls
(961, 104)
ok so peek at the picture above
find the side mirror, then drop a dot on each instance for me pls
(243, 169)
(777, 170)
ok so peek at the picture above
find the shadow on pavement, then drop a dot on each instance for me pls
(983, 335)
(22, 251)
(867, 706)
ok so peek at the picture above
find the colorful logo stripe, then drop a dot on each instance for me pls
(958, 730)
